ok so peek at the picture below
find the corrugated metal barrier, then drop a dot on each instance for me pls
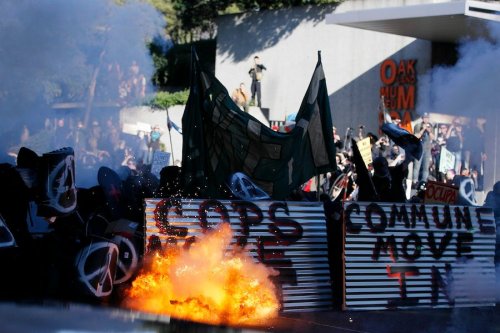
(418, 256)
(287, 236)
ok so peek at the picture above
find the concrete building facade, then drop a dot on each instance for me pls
(358, 63)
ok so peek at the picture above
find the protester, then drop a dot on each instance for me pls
(474, 150)
(493, 201)
(361, 133)
(388, 181)
(241, 97)
(337, 141)
(454, 142)
(140, 147)
(154, 142)
(380, 146)
(437, 147)
(256, 73)
(396, 156)
(449, 177)
(425, 132)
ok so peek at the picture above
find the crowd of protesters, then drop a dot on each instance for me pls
(104, 144)
(122, 85)
(100, 144)
(464, 141)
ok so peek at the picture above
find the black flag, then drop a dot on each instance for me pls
(219, 139)
(366, 190)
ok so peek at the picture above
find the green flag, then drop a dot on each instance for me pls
(220, 139)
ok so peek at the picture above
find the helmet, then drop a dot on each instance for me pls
(243, 188)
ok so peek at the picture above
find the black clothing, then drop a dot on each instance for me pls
(256, 74)
(388, 181)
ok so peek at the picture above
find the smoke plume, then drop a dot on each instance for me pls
(51, 49)
(469, 88)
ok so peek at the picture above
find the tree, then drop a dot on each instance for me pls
(52, 49)
(189, 20)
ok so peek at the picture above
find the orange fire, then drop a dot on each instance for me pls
(206, 284)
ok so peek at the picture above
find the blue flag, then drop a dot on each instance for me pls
(409, 142)
(171, 124)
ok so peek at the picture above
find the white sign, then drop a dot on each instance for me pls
(365, 149)
(446, 161)
(160, 160)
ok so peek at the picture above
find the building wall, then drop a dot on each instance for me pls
(287, 42)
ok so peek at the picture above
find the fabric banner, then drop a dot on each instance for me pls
(409, 142)
(171, 124)
(219, 139)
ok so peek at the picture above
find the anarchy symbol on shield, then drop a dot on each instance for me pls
(96, 264)
(62, 197)
(6, 237)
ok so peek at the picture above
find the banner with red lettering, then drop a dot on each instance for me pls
(400, 256)
(290, 237)
(438, 192)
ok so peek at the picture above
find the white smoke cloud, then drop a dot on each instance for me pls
(50, 50)
(470, 87)
(46, 39)
(497, 285)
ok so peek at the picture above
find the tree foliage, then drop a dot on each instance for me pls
(190, 20)
(164, 100)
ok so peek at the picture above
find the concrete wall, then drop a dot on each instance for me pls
(372, 4)
(144, 118)
(287, 42)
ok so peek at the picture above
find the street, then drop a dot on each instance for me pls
(78, 318)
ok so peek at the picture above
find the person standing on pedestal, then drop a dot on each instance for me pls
(256, 73)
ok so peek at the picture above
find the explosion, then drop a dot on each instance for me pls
(205, 283)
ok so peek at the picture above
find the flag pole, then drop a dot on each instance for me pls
(383, 109)
(170, 136)
(318, 179)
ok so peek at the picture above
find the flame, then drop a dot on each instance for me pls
(206, 284)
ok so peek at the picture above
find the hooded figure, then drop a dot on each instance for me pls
(493, 201)
(388, 181)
